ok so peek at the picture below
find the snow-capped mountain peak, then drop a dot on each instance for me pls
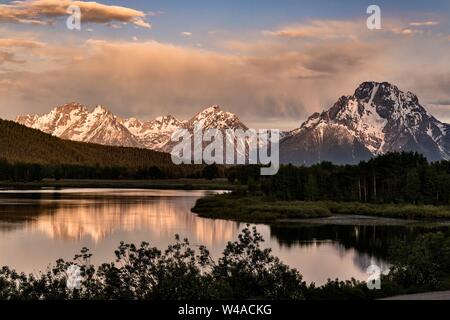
(100, 110)
(133, 125)
(214, 117)
(74, 121)
(165, 124)
(153, 134)
(376, 119)
(27, 120)
(69, 108)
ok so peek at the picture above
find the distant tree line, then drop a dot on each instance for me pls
(29, 172)
(390, 178)
(31, 155)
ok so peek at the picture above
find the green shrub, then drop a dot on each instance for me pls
(245, 271)
(422, 264)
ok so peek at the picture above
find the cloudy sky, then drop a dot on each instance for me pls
(271, 62)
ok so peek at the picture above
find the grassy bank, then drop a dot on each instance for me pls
(256, 209)
(175, 184)
(260, 209)
(401, 211)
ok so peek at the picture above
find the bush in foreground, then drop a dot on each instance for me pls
(244, 271)
(423, 264)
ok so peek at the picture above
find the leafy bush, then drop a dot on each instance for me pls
(245, 271)
(339, 290)
(422, 264)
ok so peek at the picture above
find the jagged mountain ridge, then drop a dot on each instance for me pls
(376, 119)
(74, 121)
(153, 134)
(214, 118)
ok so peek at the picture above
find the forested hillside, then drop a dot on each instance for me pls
(21, 144)
(29, 155)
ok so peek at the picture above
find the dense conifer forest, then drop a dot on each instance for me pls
(19, 144)
(31, 155)
(391, 178)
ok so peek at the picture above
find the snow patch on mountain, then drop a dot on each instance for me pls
(379, 118)
(74, 121)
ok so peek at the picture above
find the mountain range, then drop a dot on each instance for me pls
(378, 118)
(75, 122)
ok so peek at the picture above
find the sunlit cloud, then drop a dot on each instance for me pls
(407, 31)
(274, 79)
(24, 43)
(8, 57)
(186, 34)
(333, 30)
(424, 23)
(46, 11)
(152, 78)
(320, 29)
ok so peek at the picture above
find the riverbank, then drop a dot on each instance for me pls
(426, 296)
(169, 184)
(259, 209)
(256, 209)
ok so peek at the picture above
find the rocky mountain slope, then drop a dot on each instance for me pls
(75, 122)
(153, 134)
(210, 118)
(376, 119)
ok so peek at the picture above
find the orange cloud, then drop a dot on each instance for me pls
(272, 79)
(149, 79)
(23, 43)
(424, 23)
(45, 11)
(321, 29)
(407, 31)
(328, 30)
(8, 57)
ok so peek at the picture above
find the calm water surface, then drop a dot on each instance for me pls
(39, 226)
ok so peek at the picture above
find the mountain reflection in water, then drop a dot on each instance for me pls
(99, 213)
